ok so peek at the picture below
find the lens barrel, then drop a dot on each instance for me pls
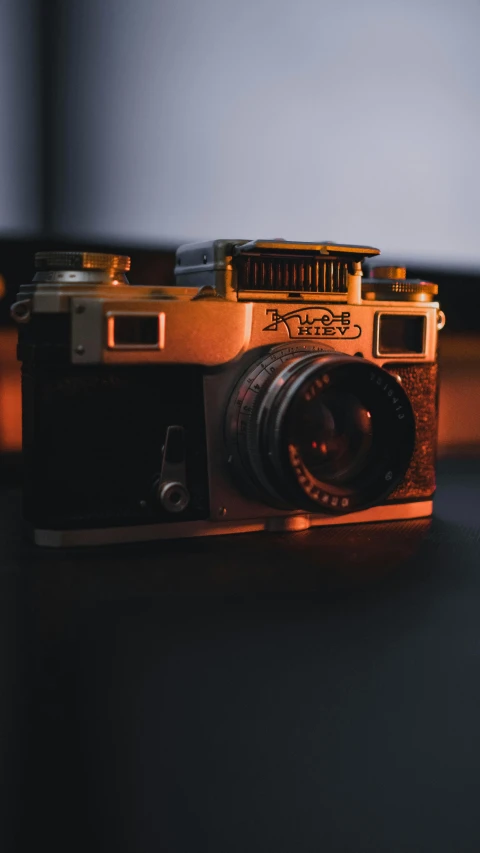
(320, 431)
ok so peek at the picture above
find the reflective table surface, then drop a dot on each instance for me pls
(307, 692)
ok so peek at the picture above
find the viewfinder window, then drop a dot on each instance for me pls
(401, 334)
(135, 331)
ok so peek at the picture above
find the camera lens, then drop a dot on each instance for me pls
(320, 431)
(333, 435)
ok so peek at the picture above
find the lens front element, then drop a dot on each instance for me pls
(332, 434)
(321, 431)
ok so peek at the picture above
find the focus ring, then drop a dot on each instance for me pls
(267, 417)
(243, 409)
(393, 431)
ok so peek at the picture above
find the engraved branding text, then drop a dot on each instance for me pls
(313, 323)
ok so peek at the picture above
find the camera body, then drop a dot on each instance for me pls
(272, 388)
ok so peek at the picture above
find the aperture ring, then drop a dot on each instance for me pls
(393, 424)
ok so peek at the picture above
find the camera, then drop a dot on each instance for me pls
(273, 387)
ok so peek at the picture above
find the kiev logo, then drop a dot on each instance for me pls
(314, 323)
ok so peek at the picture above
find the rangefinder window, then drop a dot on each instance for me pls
(135, 331)
(400, 334)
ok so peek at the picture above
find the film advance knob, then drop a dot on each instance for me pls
(390, 272)
(52, 261)
(391, 284)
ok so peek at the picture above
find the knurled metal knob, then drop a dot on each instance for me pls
(82, 261)
(389, 272)
(391, 283)
(402, 290)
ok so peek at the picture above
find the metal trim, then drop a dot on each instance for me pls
(111, 315)
(189, 529)
(396, 355)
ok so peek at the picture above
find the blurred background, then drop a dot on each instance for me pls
(135, 125)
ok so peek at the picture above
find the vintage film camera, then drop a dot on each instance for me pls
(273, 388)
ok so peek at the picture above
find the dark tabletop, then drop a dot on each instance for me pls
(297, 693)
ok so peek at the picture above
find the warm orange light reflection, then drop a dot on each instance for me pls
(111, 332)
(459, 410)
(459, 422)
(10, 394)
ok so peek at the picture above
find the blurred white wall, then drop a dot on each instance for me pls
(20, 131)
(354, 121)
